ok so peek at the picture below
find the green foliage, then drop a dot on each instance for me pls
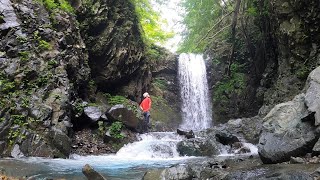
(24, 56)
(79, 108)
(303, 72)
(25, 102)
(153, 54)
(115, 130)
(113, 100)
(234, 84)
(14, 132)
(44, 45)
(101, 128)
(65, 6)
(52, 5)
(161, 83)
(7, 86)
(252, 11)
(52, 63)
(22, 39)
(199, 19)
(151, 21)
(43, 79)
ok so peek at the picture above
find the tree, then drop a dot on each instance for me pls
(151, 22)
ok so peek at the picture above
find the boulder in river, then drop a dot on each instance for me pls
(91, 174)
(188, 134)
(198, 147)
(285, 134)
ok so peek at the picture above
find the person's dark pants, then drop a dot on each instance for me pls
(146, 116)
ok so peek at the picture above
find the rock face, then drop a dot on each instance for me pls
(43, 63)
(290, 128)
(268, 70)
(112, 34)
(52, 58)
(165, 88)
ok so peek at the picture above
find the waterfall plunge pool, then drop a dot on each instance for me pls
(153, 151)
(111, 166)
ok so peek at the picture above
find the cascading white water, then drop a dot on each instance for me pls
(196, 106)
(156, 145)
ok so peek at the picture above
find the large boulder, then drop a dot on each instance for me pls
(312, 98)
(93, 113)
(285, 134)
(127, 116)
(91, 174)
(198, 147)
(51, 144)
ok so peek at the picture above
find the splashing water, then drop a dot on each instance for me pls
(156, 145)
(196, 107)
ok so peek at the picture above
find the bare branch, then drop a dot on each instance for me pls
(214, 26)
(213, 36)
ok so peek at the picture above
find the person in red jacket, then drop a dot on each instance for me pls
(145, 106)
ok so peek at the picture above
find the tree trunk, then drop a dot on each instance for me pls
(233, 34)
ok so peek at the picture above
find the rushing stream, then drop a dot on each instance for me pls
(153, 150)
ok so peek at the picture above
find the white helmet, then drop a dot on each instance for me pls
(146, 94)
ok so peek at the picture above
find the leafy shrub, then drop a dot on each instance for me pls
(115, 130)
(24, 55)
(113, 100)
(161, 83)
(44, 45)
(234, 84)
(52, 5)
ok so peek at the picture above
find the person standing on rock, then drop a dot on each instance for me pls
(145, 106)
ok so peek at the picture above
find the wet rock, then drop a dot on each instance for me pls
(198, 147)
(285, 134)
(36, 145)
(162, 150)
(152, 175)
(312, 98)
(316, 174)
(187, 134)
(296, 160)
(9, 16)
(239, 148)
(108, 138)
(177, 172)
(93, 112)
(225, 137)
(16, 152)
(316, 148)
(2, 146)
(127, 116)
(60, 141)
(91, 174)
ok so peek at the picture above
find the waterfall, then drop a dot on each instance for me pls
(196, 108)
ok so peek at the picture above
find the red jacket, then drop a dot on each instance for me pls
(146, 104)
